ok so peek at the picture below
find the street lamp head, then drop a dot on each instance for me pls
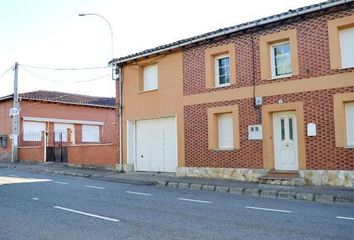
(81, 14)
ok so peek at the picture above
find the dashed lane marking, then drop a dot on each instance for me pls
(138, 193)
(95, 187)
(346, 218)
(63, 183)
(193, 200)
(87, 214)
(269, 209)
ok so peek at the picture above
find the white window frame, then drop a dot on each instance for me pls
(272, 59)
(341, 48)
(156, 85)
(232, 144)
(349, 143)
(217, 77)
(93, 137)
(36, 135)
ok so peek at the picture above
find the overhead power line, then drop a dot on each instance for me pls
(61, 81)
(64, 69)
(4, 73)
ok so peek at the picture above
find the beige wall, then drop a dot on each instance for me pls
(164, 102)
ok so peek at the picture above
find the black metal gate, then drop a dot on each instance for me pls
(56, 147)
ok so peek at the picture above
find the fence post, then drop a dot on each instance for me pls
(44, 145)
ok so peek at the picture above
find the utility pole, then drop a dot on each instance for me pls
(15, 113)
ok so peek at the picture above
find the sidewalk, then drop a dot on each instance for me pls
(307, 193)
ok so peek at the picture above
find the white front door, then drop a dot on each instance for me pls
(285, 141)
(156, 148)
(60, 130)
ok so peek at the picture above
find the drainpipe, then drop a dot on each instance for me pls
(120, 112)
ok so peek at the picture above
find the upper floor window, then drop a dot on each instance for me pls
(347, 47)
(150, 78)
(281, 60)
(222, 70)
(279, 55)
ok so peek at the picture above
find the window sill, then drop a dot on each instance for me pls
(146, 91)
(222, 86)
(346, 68)
(224, 149)
(349, 147)
(281, 77)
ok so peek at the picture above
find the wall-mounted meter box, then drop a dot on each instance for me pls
(255, 132)
(311, 130)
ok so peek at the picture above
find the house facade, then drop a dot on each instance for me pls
(265, 99)
(50, 119)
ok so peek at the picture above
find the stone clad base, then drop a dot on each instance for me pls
(337, 178)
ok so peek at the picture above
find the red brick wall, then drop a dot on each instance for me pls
(313, 51)
(321, 152)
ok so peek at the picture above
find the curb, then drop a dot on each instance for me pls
(259, 192)
(86, 175)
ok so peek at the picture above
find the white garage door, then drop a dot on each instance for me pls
(156, 147)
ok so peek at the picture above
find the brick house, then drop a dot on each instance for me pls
(84, 125)
(270, 99)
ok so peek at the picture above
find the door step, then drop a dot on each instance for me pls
(282, 178)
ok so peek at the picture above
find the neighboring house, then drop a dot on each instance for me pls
(271, 98)
(88, 120)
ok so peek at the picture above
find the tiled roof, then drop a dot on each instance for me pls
(229, 30)
(66, 98)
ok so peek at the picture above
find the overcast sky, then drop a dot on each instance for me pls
(49, 33)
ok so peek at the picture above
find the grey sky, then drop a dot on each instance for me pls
(49, 33)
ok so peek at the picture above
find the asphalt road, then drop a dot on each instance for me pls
(39, 206)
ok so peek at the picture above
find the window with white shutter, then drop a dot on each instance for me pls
(32, 131)
(347, 47)
(350, 123)
(225, 130)
(150, 76)
(90, 133)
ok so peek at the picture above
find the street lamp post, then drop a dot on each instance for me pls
(109, 25)
(120, 87)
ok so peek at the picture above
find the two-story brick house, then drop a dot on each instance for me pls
(271, 98)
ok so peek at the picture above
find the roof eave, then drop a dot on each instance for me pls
(256, 23)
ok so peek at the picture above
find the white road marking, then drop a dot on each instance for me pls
(269, 209)
(64, 183)
(138, 193)
(193, 200)
(87, 214)
(95, 187)
(346, 218)
(35, 199)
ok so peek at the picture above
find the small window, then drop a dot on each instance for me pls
(347, 47)
(225, 129)
(222, 71)
(281, 60)
(3, 141)
(90, 133)
(150, 76)
(350, 123)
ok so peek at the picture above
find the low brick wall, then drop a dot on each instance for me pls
(93, 154)
(32, 154)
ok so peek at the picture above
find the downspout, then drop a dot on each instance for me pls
(120, 112)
